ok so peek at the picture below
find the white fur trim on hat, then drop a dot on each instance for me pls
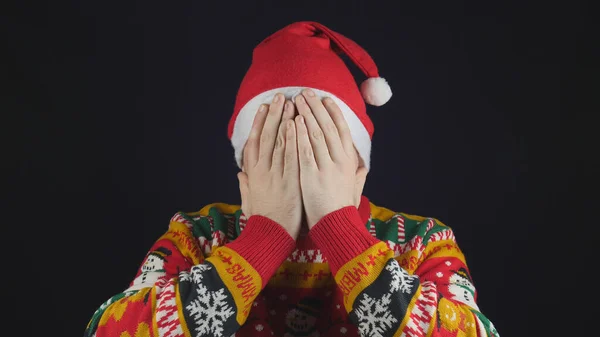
(376, 91)
(244, 120)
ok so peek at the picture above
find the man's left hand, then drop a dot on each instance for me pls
(330, 176)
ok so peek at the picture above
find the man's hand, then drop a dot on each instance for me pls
(270, 181)
(330, 175)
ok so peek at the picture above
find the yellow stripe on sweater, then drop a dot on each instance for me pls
(446, 248)
(154, 305)
(381, 213)
(242, 280)
(117, 309)
(222, 207)
(457, 318)
(181, 236)
(184, 327)
(360, 272)
(302, 275)
(413, 258)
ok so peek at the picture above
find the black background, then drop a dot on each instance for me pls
(116, 115)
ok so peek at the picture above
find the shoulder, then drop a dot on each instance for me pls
(399, 228)
(213, 225)
(415, 239)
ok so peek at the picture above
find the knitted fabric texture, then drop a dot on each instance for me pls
(365, 272)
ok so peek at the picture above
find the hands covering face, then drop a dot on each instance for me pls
(308, 160)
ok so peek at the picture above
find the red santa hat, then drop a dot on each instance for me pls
(306, 55)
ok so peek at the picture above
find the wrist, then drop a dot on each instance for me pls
(341, 235)
(264, 244)
(284, 224)
(322, 214)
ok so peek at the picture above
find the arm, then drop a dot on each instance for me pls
(426, 291)
(382, 297)
(178, 292)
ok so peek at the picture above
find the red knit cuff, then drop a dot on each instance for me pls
(264, 244)
(341, 235)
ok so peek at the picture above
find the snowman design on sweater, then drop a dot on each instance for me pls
(301, 319)
(152, 268)
(462, 289)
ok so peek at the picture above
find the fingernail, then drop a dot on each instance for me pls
(262, 108)
(327, 100)
(276, 98)
(299, 99)
(301, 118)
(288, 106)
(309, 92)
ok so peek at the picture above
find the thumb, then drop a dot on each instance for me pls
(243, 182)
(361, 178)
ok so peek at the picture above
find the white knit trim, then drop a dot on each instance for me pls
(243, 123)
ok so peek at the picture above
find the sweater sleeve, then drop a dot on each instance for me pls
(179, 292)
(425, 291)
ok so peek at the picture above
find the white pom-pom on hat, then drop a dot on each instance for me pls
(376, 91)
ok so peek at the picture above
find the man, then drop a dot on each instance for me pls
(306, 254)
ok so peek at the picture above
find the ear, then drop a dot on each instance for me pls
(361, 179)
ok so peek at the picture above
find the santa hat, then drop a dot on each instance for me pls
(306, 55)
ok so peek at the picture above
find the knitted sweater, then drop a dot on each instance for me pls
(359, 272)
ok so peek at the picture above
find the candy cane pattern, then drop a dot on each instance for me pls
(445, 234)
(218, 239)
(430, 225)
(205, 245)
(422, 312)
(371, 223)
(401, 229)
(243, 221)
(167, 317)
(181, 219)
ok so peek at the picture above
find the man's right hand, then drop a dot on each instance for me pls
(270, 180)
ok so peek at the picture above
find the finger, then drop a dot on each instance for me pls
(306, 157)
(288, 112)
(314, 133)
(280, 143)
(332, 138)
(252, 143)
(340, 122)
(290, 167)
(269, 131)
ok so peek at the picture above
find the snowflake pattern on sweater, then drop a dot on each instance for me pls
(208, 275)
(373, 315)
(209, 310)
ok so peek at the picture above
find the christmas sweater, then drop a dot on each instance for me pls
(359, 272)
